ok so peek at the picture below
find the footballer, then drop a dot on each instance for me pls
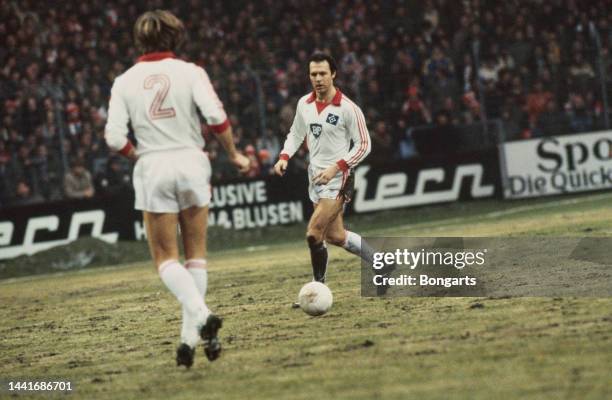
(337, 139)
(159, 96)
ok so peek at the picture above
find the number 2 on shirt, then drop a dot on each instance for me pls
(156, 111)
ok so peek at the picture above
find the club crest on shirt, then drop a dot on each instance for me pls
(316, 129)
(332, 119)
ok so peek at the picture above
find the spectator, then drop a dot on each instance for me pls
(489, 70)
(299, 163)
(520, 49)
(553, 54)
(24, 195)
(255, 166)
(440, 139)
(24, 167)
(552, 122)
(6, 180)
(443, 86)
(44, 175)
(382, 144)
(505, 60)
(407, 147)
(494, 98)
(414, 110)
(580, 68)
(581, 72)
(266, 161)
(449, 107)
(580, 118)
(437, 62)
(511, 128)
(431, 14)
(468, 73)
(471, 107)
(460, 38)
(537, 101)
(115, 179)
(270, 143)
(77, 182)
(32, 116)
(57, 70)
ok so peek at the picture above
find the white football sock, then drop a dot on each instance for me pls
(356, 245)
(181, 284)
(197, 269)
(199, 273)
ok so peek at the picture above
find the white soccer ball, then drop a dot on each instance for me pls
(315, 298)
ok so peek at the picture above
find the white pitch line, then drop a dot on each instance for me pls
(496, 214)
(520, 209)
(256, 248)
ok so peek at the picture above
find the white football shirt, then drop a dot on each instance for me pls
(328, 130)
(159, 96)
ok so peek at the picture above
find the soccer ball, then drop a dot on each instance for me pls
(315, 298)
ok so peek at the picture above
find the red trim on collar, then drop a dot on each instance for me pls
(321, 106)
(160, 55)
(335, 101)
(337, 98)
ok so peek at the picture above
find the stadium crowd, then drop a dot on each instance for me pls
(407, 63)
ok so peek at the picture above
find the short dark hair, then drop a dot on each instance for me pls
(319, 56)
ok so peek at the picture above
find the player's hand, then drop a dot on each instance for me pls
(280, 167)
(241, 162)
(326, 175)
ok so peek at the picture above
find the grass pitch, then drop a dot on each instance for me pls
(113, 331)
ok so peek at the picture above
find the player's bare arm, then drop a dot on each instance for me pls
(226, 139)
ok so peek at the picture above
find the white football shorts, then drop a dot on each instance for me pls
(333, 189)
(172, 180)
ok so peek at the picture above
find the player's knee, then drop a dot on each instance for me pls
(335, 238)
(313, 237)
(164, 250)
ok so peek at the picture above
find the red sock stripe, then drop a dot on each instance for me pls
(165, 264)
(196, 263)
